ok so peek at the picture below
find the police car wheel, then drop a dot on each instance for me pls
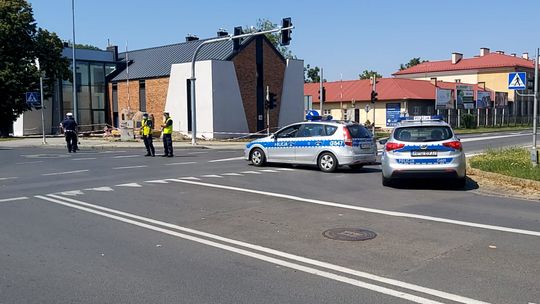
(257, 157)
(386, 181)
(327, 162)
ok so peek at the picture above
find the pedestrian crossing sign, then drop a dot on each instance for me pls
(517, 81)
(32, 98)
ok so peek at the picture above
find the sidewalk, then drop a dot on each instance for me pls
(100, 143)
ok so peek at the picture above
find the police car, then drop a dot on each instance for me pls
(423, 147)
(323, 142)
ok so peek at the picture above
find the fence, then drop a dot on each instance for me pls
(485, 118)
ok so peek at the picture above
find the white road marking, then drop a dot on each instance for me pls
(101, 189)
(212, 175)
(30, 162)
(187, 178)
(125, 156)
(284, 169)
(251, 172)
(370, 210)
(130, 167)
(132, 219)
(225, 159)
(183, 163)
(490, 137)
(66, 172)
(87, 158)
(72, 193)
(132, 185)
(20, 198)
(232, 174)
(193, 153)
(6, 178)
(268, 170)
(157, 181)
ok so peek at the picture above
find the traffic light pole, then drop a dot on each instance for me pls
(267, 107)
(534, 150)
(374, 110)
(321, 92)
(192, 78)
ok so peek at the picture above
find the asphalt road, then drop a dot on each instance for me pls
(205, 227)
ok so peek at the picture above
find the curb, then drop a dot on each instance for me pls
(513, 181)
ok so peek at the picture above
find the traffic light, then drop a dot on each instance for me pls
(271, 101)
(285, 34)
(374, 96)
(236, 42)
(530, 83)
(323, 97)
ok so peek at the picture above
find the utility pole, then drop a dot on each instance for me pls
(75, 104)
(534, 151)
(374, 89)
(321, 94)
(42, 104)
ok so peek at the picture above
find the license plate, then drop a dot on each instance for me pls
(365, 146)
(423, 153)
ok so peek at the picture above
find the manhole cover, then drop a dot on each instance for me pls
(349, 234)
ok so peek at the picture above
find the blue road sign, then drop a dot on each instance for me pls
(33, 98)
(517, 81)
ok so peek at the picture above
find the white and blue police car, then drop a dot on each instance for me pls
(423, 147)
(317, 141)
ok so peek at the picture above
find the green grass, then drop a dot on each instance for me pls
(514, 162)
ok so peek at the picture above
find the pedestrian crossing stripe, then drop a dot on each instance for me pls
(516, 81)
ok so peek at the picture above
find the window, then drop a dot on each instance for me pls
(142, 95)
(288, 132)
(311, 130)
(115, 97)
(327, 112)
(330, 130)
(423, 134)
(358, 131)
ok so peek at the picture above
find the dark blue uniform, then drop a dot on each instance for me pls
(70, 132)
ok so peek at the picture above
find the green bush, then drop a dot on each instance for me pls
(514, 162)
(468, 121)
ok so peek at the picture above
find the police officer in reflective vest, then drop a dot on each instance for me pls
(69, 125)
(147, 124)
(167, 128)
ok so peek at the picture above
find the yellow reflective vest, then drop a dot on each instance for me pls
(146, 127)
(167, 129)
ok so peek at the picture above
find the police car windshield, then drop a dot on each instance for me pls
(423, 133)
(358, 131)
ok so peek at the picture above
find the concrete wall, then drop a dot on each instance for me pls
(176, 103)
(292, 98)
(29, 123)
(228, 109)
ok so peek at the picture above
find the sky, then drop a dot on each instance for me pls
(344, 37)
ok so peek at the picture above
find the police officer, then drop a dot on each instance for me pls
(147, 124)
(69, 125)
(167, 128)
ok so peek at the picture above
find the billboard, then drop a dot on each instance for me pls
(443, 99)
(501, 99)
(483, 99)
(464, 97)
(393, 112)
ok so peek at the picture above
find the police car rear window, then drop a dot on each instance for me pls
(423, 133)
(330, 130)
(358, 131)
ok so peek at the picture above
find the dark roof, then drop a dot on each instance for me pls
(157, 61)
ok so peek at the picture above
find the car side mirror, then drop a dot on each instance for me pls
(383, 141)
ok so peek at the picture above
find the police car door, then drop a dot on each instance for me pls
(282, 149)
(310, 142)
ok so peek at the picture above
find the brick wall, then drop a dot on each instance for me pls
(156, 96)
(273, 74)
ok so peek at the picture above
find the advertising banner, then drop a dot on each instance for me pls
(501, 99)
(465, 97)
(483, 99)
(393, 111)
(443, 99)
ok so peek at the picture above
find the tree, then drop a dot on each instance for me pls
(368, 74)
(411, 63)
(312, 74)
(264, 24)
(87, 47)
(22, 43)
